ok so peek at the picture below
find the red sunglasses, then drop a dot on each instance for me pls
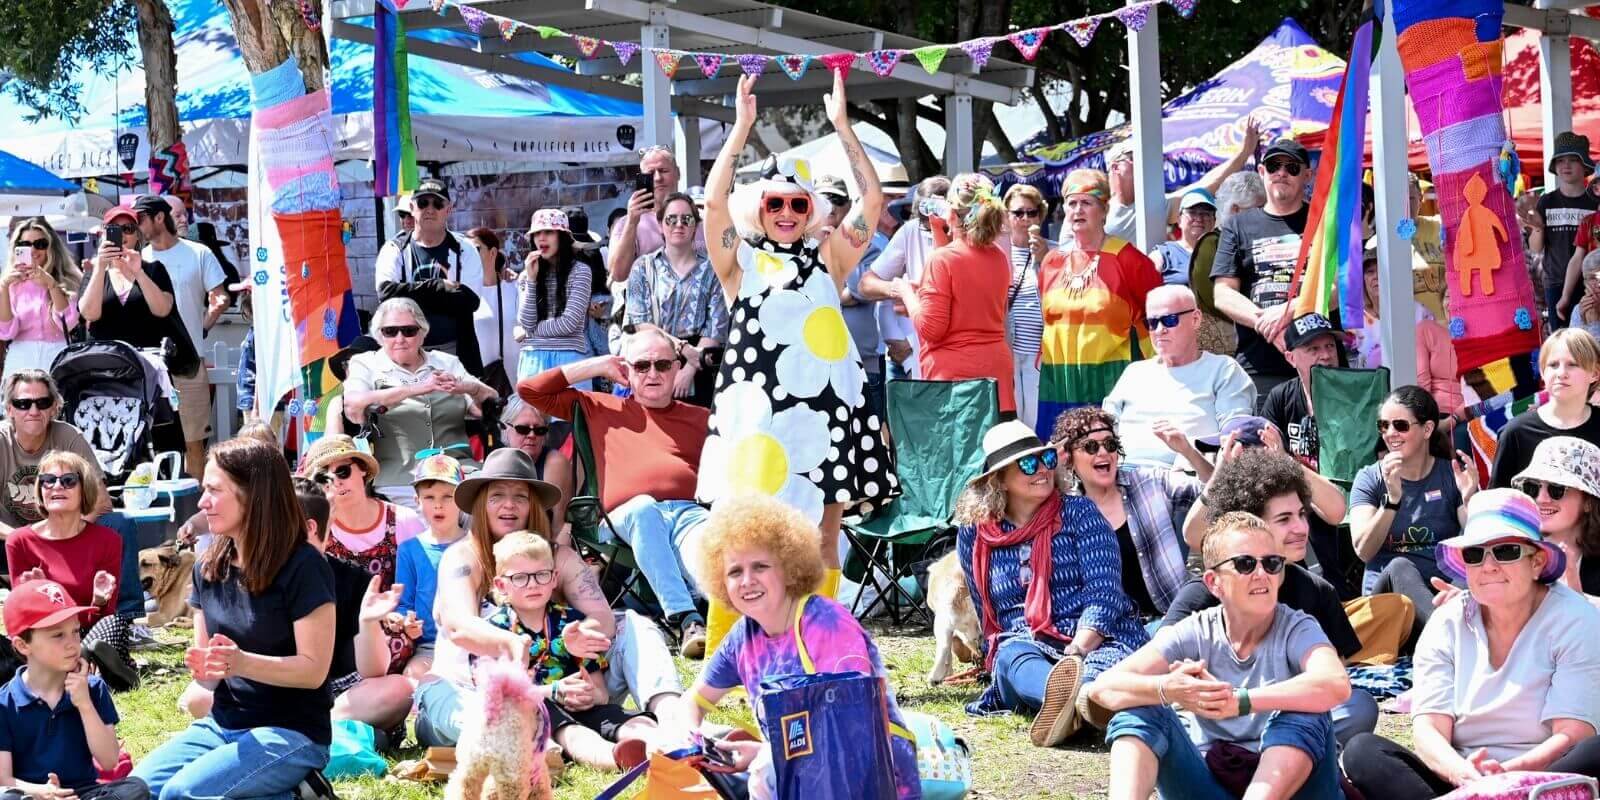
(798, 203)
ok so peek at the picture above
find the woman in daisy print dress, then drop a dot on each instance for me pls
(789, 418)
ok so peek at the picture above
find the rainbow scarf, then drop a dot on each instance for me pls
(393, 146)
(1328, 271)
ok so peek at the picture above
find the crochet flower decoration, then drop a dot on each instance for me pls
(1524, 319)
(1458, 327)
(1407, 228)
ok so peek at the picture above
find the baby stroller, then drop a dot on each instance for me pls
(113, 394)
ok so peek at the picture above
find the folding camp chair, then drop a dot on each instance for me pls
(1347, 440)
(938, 429)
(592, 528)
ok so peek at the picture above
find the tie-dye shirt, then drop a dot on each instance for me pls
(836, 643)
(1089, 335)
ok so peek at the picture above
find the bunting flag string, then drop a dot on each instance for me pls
(1028, 42)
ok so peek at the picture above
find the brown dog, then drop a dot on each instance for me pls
(167, 572)
(955, 619)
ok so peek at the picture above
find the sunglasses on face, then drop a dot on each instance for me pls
(36, 244)
(403, 214)
(1094, 446)
(1165, 320)
(408, 331)
(526, 430)
(674, 220)
(341, 472)
(799, 204)
(1508, 553)
(1245, 565)
(1532, 489)
(1030, 464)
(659, 365)
(521, 579)
(29, 403)
(1025, 213)
(1399, 425)
(1285, 165)
(66, 480)
(425, 203)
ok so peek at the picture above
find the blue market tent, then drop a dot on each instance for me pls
(26, 189)
(459, 113)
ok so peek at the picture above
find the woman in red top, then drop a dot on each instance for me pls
(82, 556)
(960, 306)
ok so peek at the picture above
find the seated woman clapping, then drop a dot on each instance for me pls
(1046, 580)
(1504, 672)
(1251, 673)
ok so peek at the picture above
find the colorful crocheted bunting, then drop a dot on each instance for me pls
(1028, 42)
(667, 60)
(547, 32)
(838, 62)
(710, 63)
(473, 18)
(753, 63)
(1134, 16)
(930, 57)
(625, 51)
(587, 45)
(1082, 30)
(883, 61)
(508, 29)
(794, 64)
(979, 51)
(1185, 8)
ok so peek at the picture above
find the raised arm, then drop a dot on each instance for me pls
(844, 252)
(722, 241)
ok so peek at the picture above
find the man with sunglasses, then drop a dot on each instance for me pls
(1250, 672)
(1182, 394)
(1255, 261)
(440, 269)
(647, 453)
(30, 432)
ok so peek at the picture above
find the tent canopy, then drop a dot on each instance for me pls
(29, 190)
(459, 113)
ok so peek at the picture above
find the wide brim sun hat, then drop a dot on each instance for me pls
(1564, 461)
(506, 464)
(1007, 443)
(338, 447)
(1500, 515)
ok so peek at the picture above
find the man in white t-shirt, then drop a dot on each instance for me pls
(1182, 394)
(200, 294)
(904, 256)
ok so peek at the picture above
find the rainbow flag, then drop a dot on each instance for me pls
(394, 147)
(1328, 272)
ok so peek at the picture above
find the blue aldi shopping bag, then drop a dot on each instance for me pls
(829, 734)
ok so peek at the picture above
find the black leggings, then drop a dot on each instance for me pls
(1381, 768)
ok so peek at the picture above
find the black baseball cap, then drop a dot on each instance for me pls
(432, 186)
(1287, 147)
(151, 204)
(1305, 328)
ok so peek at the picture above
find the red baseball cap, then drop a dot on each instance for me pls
(39, 604)
(119, 212)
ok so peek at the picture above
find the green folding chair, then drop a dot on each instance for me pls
(938, 429)
(592, 529)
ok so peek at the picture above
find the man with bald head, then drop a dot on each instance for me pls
(1182, 394)
(639, 232)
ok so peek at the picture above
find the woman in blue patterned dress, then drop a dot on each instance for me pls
(789, 419)
(1046, 580)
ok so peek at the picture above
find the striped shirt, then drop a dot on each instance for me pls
(1024, 322)
(566, 331)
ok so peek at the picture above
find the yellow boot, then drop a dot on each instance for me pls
(719, 620)
(830, 584)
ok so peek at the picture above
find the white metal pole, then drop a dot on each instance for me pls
(657, 88)
(688, 150)
(1149, 163)
(1390, 168)
(1555, 88)
(958, 144)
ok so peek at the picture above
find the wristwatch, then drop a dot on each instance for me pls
(1390, 505)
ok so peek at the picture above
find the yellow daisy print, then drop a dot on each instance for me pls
(755, 450)
(818, 350)
(764, 270)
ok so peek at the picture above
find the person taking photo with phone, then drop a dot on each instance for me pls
(36, 290)
(640, 231)
(130, 299)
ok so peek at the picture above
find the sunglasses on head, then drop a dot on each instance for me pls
(1025, 213)
(1166, 320)
(1244, 565)
(659, 365)
(28, 403)
(1030, 464)
(526, 430)
(1284, 164)
(36, 244)
(66, 480)
(1555, 490)
(1399, 425)
(341, 472)
(1506, 553)
(521, 579)
(798, 203)
(408, 331)
(429, 201)
(1094, 446)
(674, 220)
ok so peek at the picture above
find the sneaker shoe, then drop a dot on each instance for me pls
(1058, 717)
(140, 637)
(315, 787)
(118, 674)
(692, 638)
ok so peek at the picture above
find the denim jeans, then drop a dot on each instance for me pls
(1182, 770)
(874, 391)
(130, 594)
(1022, 667)
(209, 762)
(657, 530)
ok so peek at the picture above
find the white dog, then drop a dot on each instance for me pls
(500, 755)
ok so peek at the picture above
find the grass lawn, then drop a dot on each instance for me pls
(1005, 764)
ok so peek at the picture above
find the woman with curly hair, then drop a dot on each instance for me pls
(1146, 506)
(759, 556)
(1046, 579)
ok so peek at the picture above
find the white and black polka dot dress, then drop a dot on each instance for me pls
(789, 418)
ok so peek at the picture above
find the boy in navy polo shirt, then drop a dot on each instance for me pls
(56, 720)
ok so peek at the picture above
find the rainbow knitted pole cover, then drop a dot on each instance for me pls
(1452, 50)
(394, 149)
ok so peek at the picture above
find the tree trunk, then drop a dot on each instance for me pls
(269, 31)
(161, 73)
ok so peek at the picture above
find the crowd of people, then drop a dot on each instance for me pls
(1151, 545)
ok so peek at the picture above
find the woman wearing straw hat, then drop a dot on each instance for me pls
(1564, 482)
(1046, 578)
(1505, 672)
(552, 322)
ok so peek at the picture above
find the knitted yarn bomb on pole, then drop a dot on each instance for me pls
(1452, 54)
